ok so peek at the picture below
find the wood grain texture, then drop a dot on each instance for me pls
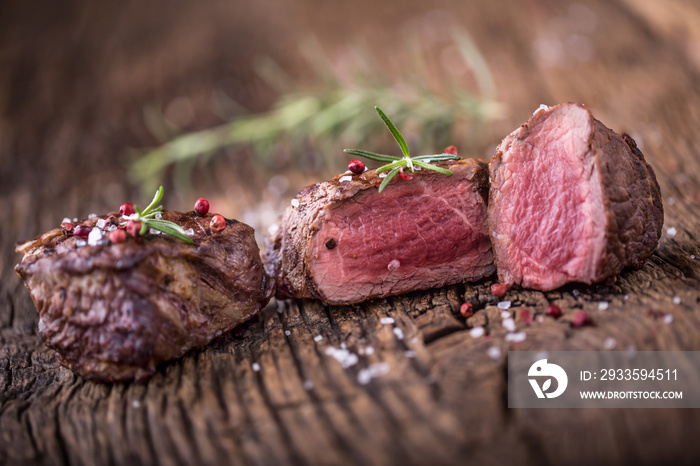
(272, 391)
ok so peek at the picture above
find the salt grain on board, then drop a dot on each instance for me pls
(668, 318)
(609, 343)
(505, 315)
(676, 300)
(509, 324)
(256, 367)
(504, 305)
(603, 306)
(387, 320)
(516, 337)
(345, 357)
(364, 376)
(318, 338)
(287, 332)
(398, 332)
(409, 354)
(308, 385)
(671, 232)
(477, 332)
(494, 353)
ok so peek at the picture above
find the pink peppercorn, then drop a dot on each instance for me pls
(67, 227)
(201, 206)
(581, 318)
(218, 223)
(451, 150)
(82, 231)
(499, 289)
(117, 236)
(466, 310)
(133, 228)
(554, 311)
(127, 209)
(356, 166)
(404, 176)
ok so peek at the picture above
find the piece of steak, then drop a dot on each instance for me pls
(114, 311)
(343, 242)
(570, 201)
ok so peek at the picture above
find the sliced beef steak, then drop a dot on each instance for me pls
(343, 242)
(570, 201)
(114, 311)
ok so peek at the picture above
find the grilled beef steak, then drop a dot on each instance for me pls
(114, 311)
(570, 201)
(343, 242)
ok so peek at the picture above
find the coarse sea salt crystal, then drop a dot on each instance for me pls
(668, 318)
(189, 232)
(94, 237)
(409, 354)
(272, 229)
(399, 333)
(81, 243)
(393, 265)
(509, 324)
(308, 385)
(101, 223)
(541, 108)
(364, 376)
(494, 353)
(158, 215)
(387, 320)
(287, 332)
(671, 201)
(92, 215)
(111, 228)
(477, 332)
(505, 315)
(318, 338)
(345, 178)
(676, 300)
(256, 367)
(135, 404)
(609, 343)
(603, 306)
(295, 202)
(671, 232)
(382, 175)
(66, 220)
(343, 356)
(504, 305)
(516, 337)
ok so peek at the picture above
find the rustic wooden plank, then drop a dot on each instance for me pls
(271, 391)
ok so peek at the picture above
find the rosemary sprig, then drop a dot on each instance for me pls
(396, 164)
(148, 220)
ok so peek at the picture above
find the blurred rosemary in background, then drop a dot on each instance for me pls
(312, 123)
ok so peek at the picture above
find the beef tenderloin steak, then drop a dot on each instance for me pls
(570, 201)
(343, 242)
(114, 311)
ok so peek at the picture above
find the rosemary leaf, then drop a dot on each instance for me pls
(432, 167)
(371, 155)
(154, 202)
(169, 228)
(436, 157)
(394, 131)
(388, 178)
(391, 166)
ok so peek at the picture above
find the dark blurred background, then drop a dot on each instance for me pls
(102, 101)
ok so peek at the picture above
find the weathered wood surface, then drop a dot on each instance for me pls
(73, 83)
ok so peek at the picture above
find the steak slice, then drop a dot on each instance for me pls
(570, 201)
(114, 311)
(343, 242)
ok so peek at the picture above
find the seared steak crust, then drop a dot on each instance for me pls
(114, 311)
(439, 223)
(570, 201)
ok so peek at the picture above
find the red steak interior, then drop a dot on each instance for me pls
(547, 216)
(415, 235)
